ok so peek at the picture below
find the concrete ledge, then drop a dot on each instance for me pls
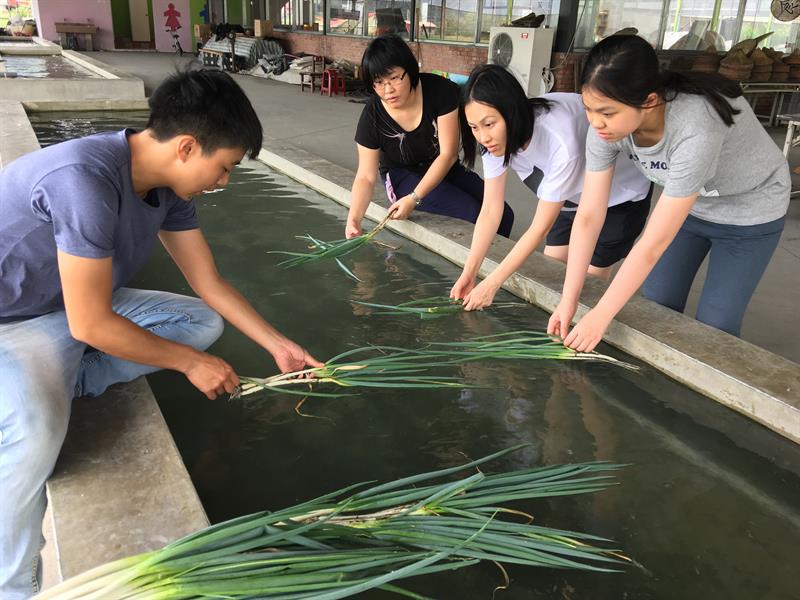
(95, 66)
(85, 105)
(111, 85)
(735, 373)
(36, 47)
(120, 486)
(16, 134)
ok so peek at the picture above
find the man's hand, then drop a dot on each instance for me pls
(403, 207)
(481, 296)
(588, 331)
(292, 357)
(211, 375)
(462, 286)
(352, 229)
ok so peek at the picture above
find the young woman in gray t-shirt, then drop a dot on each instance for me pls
(694, 135)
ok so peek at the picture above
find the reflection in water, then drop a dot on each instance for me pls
(707, 518)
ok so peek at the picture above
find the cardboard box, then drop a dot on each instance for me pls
(202, 32)
(262, 28)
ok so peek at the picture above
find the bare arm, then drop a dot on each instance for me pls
(586, 228)
(191, 253)
(448, 154)
(489, 218)
(363, 187)
(87, 288)
(543, 219)
(665, 221)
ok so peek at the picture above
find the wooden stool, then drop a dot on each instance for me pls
(309, 78)
(317, 68)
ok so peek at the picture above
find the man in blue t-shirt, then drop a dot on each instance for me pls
(79, 219)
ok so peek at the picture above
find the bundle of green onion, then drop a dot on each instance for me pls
(425, 367)
(335, 249)
(430, 308)
(347, 542)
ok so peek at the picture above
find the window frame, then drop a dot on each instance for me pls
(565, 12)
(572, 26)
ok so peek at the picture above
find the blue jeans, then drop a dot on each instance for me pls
(739, 256)
(42, 368)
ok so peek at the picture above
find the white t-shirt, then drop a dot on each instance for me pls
(554, 162)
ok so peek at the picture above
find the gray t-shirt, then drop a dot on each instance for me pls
(76, 197)
(740, 173)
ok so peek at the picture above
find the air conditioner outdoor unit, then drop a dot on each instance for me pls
(525, 52)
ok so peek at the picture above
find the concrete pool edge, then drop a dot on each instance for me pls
(110, 84)
(85, 105)
(35, 47)
(750, 380)
(120, 486)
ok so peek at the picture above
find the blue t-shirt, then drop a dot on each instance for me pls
(76, 197)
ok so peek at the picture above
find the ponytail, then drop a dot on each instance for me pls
(625, 68)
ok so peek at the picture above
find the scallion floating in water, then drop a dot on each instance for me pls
(425, 367)
(349, 541)
(335, 249)
(430, 308)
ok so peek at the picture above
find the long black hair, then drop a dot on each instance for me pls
(625, 68)
(208, 105)
(383, 53)
(493, 86)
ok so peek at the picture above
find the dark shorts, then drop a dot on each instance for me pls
(459, 195)
(624, 222)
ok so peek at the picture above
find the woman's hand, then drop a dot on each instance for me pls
(352, 229)
(561, 318)
(589, 331)
(403, 207)
(462, 286)
(482, 295)
(291, 357)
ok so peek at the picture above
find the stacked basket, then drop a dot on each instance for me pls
(762, 66)
(736, 65)
(707, 62)
(793, 60)
(780, 70)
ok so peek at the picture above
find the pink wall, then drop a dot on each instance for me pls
(98, 12)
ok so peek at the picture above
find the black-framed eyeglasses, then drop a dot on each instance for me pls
(392, 81)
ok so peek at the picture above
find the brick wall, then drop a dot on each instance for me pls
(454, 58)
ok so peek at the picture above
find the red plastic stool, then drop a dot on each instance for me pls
(332, 82)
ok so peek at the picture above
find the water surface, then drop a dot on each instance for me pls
(39, 67)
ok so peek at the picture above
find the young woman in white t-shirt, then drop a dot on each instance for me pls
(542, 140)
(726, 189)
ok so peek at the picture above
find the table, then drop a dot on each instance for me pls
(780, 91)
(83, 31)
(792, 136)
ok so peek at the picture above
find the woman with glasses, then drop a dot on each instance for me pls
(408, 132)
(542, 140)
